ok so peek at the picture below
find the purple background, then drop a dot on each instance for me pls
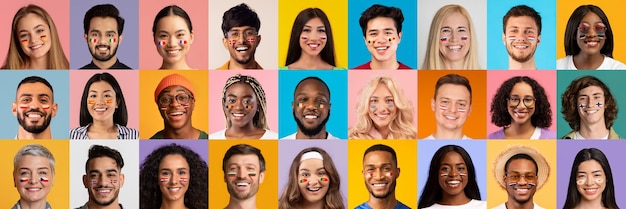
(128, 50)
(147, 146)
(567, 150)
(337, 149)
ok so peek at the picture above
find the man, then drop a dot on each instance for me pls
(240, 26)
(103, 178)
(521, 170)
(311, 109)
(103, 34)
(452, 104)
(244, 170)
(34, 108)
(521, 35)
(175, 99)
(382, 32)
(380, 170)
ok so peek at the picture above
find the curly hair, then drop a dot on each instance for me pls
(569, 102)
(499, 108)
(292, 198)
(571, 30)
(150, 195)
(401, 127)
(260, 119)
(608, 195)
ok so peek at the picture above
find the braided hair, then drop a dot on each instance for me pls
(259, 118)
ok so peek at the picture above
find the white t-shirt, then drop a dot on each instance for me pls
(567, 63)
(293, 136)
(473, 204)
(432, 137)
(222, 135)
(503, 206)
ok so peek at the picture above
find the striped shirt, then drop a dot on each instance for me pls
(123, 132)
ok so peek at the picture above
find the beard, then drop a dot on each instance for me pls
(105, 202)
(102, 58)
(254, 188)
(392, 188)
(311, 131)
(35, 129)
(521, 59)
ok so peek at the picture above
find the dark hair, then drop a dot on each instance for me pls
(517, 157)
(384, 148)
(455, 79)
(520, 11)
(97, 151)
(295, 51)
(571, 31)
(608, 195)
(312, 78)
(196, 196)
(260, 118)
(378, 10)
(569, 101)
(243, 149)
(169, 11)
(499, 108)
(432, 192)
(103, 10)
(35, 79)
(120, 116)
(240, 15)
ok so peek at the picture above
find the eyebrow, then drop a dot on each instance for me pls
(108, 90)
(37, 26)
(452, 164)
(106, 171)
(244, 96)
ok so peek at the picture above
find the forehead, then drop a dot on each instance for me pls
(242, 28)
(590, 165)
(311, 164)
(455, 20)
(591, 18)
(381, 23)
(102, 22)
(316, 21)
(175, 90)
(105, 162)
(381, 89)
(31, 161)
(312, 86)
(243, 160)
(34, 89)
(172, 23)
(378, 157)
(30, 20)
(521, 22)
(100, 85)
(240, 87)
(522, 87)
(453, 91)
(589, 90)
(174, 160)
(521, 165)
(453, 157)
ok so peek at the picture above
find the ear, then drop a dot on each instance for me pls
(119, 39)
(261, 177)
(55, 108)
(85, 183)
(432, 104)
(538, 40)
(85, 37)
(504, 39)
(14, 108)
(399, 37)
(258, 40)
(469, 110)
(121, 182)
(293, 105)
(190, 38)
(225, 43)
(398, 175)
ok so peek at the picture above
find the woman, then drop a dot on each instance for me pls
(34, 41)
(103, 113)
(244, 103)
(173, 166)
(521, 108)
(311, 45)
(312, 169)
(383, 112)
(33, 168)
(173, 36)
(591, 171)
(451, 165)
(451, 42)
(589, 41)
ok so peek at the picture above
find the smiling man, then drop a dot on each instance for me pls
(244, 170)
(34, 108)
(521, 36)
(380, 171)
(311, 109)
(521, 170)
(452, 104)
(240, 26)
(103, 178)
(103, 34)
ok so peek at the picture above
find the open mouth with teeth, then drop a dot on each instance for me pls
(453, 183)
(313, 46)
(33, 189)
(100, 110)
(238, 116)
(172, 52)
(35, 47)
(520, 46)
(591, 191)
(450, 117)
(241, 48)
(591, 42)
(381, 49)
(520, 114)
(455, 47)
(382, 116)
(313, 189)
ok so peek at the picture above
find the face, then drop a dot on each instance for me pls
(174, 177)
(521, 38)
(521, 180)
(313, 37)
(101, 101)
(383, 108)
(453, 174)
(521, 103)
(593, 31)
(102, 38)
(243, 176)
(241, 43)
(382, 38)
(591, 105)
(590, 180)
(176, 106)
(313, 180)
(380, 173)
(34, 36)
(452, 106)
(173, 38)
(34, 107)
(311, 106)
(454, 42)
(241, 104)
(33, 178)
(103, 181)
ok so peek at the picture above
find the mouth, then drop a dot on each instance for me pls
(591, 191)
(242, 49)
(522, 46)
(103, 191)
(589, 112)
(379, 185)
(173, 189)
(103, 48)
(455, 48)
(238, 116)
(242, 186)
(520, 114)
(381, 49)
(313, 189)
(522, 191)
(33, 189)
(453, 184)
(310, 118)
(35, 47)
(592, 43)
(382, 116)
(173, 53)
(313, 46)
(100, 110)
(450, 117)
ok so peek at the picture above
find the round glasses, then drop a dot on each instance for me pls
(514, 101)
(180, 98)
(235, 34)
(514, 176)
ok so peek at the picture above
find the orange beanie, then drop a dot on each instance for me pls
(173, 80)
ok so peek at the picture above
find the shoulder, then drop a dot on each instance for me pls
(363, 66)
(330, 136)
(290, 137)
(157, 135)
(401, 205)
(612, 64)
(501, 206)
(477, 204)
(269, 135)
(363, 206)
(221, 134)
(203, 135)
(402, 66)
(79, 132)
(547, 134)
(564, 63)
(124, 132)
(499, 134)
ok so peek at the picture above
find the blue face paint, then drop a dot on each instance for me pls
(389, 106)
(599, 104)
(372, 106)
(581, 106)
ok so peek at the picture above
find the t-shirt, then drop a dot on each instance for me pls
(472, 204)
(367, 66)
(222, 135)
(117, 65)
(567, 63)
(503, 206)
(431, 137)
(400, 205)
(159, 135)
(539, 133)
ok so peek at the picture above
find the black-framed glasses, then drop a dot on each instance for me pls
(514, 176)
(248, 33)
(514, 101)
(182, 99)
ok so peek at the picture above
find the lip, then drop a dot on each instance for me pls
(520, 114)
(33, 189)
(176, 115)
(173, 52)
(590, 191)
(242, 48)
(314, 46)
(313, 190)
(36, 47)
(522, 191)
(242, 186)
(382, 116)
(381, 49)
(592, 42)
(238, 116)
(454, 47)
(450, 117)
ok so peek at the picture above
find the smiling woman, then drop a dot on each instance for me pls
(311, 45)
(173, 36)
(591, 181)
(33, 175)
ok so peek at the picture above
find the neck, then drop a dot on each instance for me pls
(528, 65)
(103, 126)
(186, 132)
(459, 199)
(105, 64)
(512, 204)
(113, 205)
(312, 205)
(249, 203)
(516, 129)
(454, 65)
(39, 63)
(181, 65)
(382, 131)
(321, 135)
(594, 131)
(383, 203)
(593, 204)
(233, 64)
(23, 134)
(177, 204)
(41, 204)
(309, 62)
(588, 61)
(443, 133)
(390, 64)
(242, 131)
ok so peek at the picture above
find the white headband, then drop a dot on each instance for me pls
(311, 155)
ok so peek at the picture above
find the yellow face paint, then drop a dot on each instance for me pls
(109, 101)
(91, 101)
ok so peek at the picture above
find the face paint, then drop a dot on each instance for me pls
(324, 179)
(580, 182)
(45, 107)
(304, 37)
(112, 40)
(109, 101)
(161, 43)
(90, 101)
(23, 106)
(249, 107)
(43, 38)
(392, 39)
(370, 41)
(303, 181)
(44, 180)
(163, 180)
(599, 104)
(441, 107)
(513, 184)
(511, 38)
(23, 180)
(231, 175)
(300, 104)
(93, 40)
(232, 42)
(582, 36)
(390, 174)
(443, 174)
(94, 182)
(532, 184)
(230, 106)
(443, 39)
(389, 106)
(372, 106)
(531, 38)
(323, 38)
(183, 180)
(251, 40)
(113, 181)
(251, 174)
(24, 42)
(321, 106)
(599, 180)
(371, 175)
(464, 38)
(182, 42)
(163, 108)
(462, 174)
(581, 106)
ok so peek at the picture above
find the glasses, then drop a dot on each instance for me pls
(514, 176)
(180, 98)
(585, 28)
(514, 101)
(248, 33)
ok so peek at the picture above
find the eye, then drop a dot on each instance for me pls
(514, 31)
(231, 101)
(26, 100)
(446, 30)
(386, 169)
(388, 33)
(305, 174)
(389, 100)
(110, 35)
(461, 169)
(373, 34)
(321, 173)
(321, 30)
(165, 173)
(181, 35)
(108, 96)
(40, 30)
(246, 101)
(163, 36)
(182, 172)
(44, 101)
(94, 35)
(23, 36)
(445, 169)
(373, 100)
(43, 173)
(111, 175)
(306, 30)
(462, 30)
(445, 102)
(24, 173)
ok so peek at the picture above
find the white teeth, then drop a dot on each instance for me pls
(242, 48)
(173, 51)
(176, 113)
(450, 117)
(521, 47)
(381, 48)
(100, 109)
(592, 43)
(174, 189)
(34, 189)
(454, 182)
(103, 48)
(454, 47)
(313, 45)
(36, 46)
(238, 115)
(242, 184)
(313, 189)
(310, 116)
(379, 185)
(591, 111)
(522, 190)
(33, 115)
(104, 191)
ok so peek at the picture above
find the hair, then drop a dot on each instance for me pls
(169, 11)
(499, 105)
(97, 151)
(434, 59)
(120, 116)
(401, 127)
(35, 79)
(384, 148)
(295, 51)
(34, 150)
(196, 196)
(569, 101)
(243, 149)
(432, 192)
(240, 15)
(16, 58)
(103, 10)
(260, 117)
(312, 78)
(292, 198)
(378, 10)
(454, 79)
(517, 157)
(571, 31)
(521, 11)
(608, 195)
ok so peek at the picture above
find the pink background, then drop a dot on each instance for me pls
(197, 56)
(128, 82)
(357, 79)
(217, 80)
(546, 79)
(58, 9)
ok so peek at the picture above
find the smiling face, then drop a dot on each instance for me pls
(590, 180)
(382, 39)
(241, 43)
(174, 177)
(380, 173)
(101, 101)
(518, 187)
(33, 178)
(521, 104)
(311, 106)
(313, 37)
(453, 175)
(452, 106)
(383, 108)
(241, 104)
(103, 181)
(593, 30)
(521, 38)
(103, 38)
(455, 30)
(173, 39)
(34, 107)
(313, 180)
(591, 106)
(176, 106)
(34, 36)
(243, 176)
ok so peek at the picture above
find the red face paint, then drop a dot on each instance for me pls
(23, 180)
(161, 43)
(443, 39)
(183, 179)
(231, 175)
(249, 107)
(43, 38)
(23, 106)
(232, 42)
(112, 40)
(229, 106)
(303, 180)
(44, 179)
(45, 107)
(91, 101)
(251, 40)
(164, 180)
(464, 38)
(109, 101)
(182, 42)
(24, 42)
(324, 179)
(93, 40)
(251, 174)
(304, 37)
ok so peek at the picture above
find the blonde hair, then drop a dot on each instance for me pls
(17, 59)
(401, 127)
(434, 59)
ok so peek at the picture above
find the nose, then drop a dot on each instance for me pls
(589, 181)
(522, 180)
(33, 180)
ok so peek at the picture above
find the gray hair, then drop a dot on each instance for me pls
(34, 150)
